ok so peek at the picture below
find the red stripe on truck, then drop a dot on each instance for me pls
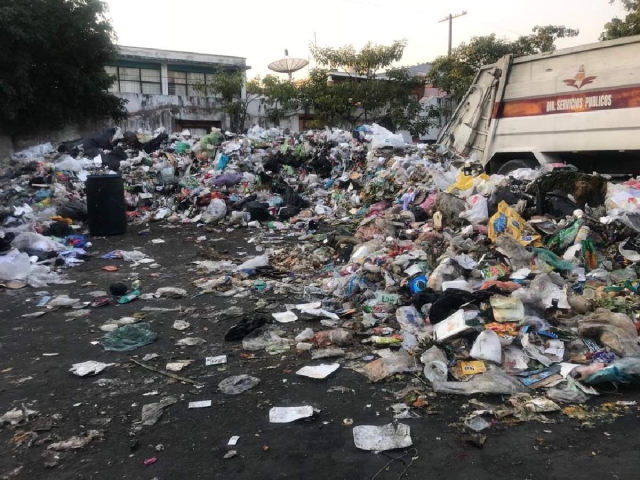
(628, 97)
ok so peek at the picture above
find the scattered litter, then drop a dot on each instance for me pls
(220, 359)
(17, 416)
(129, 337)
(88, 368)
(190, 342)
(200, 404)
(178, 365)
(238, 384)
(181, 325)
(285, 317)
(152, 412)
(289, 414)
(170, 292)
(380, 439)
(75, 443)
(318, 371)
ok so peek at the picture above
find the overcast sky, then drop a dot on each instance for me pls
(261, 30)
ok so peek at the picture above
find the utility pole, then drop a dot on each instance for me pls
(449, 18)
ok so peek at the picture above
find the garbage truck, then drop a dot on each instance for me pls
(576, 106)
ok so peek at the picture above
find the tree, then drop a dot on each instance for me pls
(278, 98)
(367, 95)
(455, 73)
(618, 28)
(227, 84)
(52, 64)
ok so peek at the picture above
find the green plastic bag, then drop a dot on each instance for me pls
(563, 239)
(129, 337)
(182, 147)
(211, 140)
(552, 259)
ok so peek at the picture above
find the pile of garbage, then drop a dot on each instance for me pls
(524, 285)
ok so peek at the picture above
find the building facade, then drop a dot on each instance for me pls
(160, 88)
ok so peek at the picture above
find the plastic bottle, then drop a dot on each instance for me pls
(582, 235)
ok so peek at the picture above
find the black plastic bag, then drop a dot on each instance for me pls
(73, 209)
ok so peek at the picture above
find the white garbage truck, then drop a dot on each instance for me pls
(578, 106)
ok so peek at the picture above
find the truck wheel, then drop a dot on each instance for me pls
(512, 165)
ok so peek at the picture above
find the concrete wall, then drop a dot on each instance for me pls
(255, 116)
(11, 144)
(148, 112)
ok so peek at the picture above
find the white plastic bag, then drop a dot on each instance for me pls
(487, 347)
(35, 241)
(216, 210)
(435, 365)
(260, 261)
(14, 265)
(479, 211)
(69, 164)
(41, 276)
(384, 138)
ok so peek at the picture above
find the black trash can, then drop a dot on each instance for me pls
(106, 207)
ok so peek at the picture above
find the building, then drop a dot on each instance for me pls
(435, 102)
(159, 86)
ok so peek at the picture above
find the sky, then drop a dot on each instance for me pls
(260, 30)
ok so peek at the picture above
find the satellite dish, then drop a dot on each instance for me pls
(288, 65)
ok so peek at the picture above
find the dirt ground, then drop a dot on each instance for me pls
(191, 443)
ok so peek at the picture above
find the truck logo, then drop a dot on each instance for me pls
(580, 80)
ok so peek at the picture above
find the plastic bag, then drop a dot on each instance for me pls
(223, 161)
(36, 152)
(229, 179)
(384, 138)
(542, 292)
(625, 370)
(553, 260)
(238, 384)
(67, 163)
(73, 209)
(435, 365)
(463, 182)
(410, 319)
(364, 250)
(210, 141)
(385, 367)
(567, 392)
(35, 242)
(493, 381)
(487, 347)
(14, 265)
(561, 240)
(129, 337)
(216, 210)
(509, 222)
(41, 276)
(260, 261)
(479, 211)
(261, 340)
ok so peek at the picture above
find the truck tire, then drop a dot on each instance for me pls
(512, 165)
